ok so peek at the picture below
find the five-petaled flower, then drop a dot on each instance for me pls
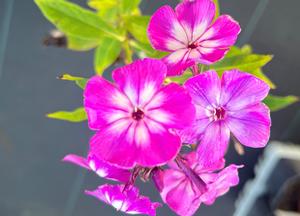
(137, 117)
(190, 182)
(231, 104)
(190, 34)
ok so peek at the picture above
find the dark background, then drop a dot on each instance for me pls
(33, 181)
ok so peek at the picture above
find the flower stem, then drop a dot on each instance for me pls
(195, 70)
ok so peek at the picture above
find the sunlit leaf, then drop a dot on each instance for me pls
(247, 63)
(146, 49)
(276, 103)
(129, 6)
(137, 26)
(259, 74)
(75, 20)
(80, 81)
(180, 79)
(102, 4)
(77, 115)
(81, 44)
(217, 7)
(106, 54)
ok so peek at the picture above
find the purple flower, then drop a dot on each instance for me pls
(228, 105)
(189, 183)
(100, 167)
(190, 34)
(135, 118)
(125, 200)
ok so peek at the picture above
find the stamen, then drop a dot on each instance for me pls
(192, 46)
(138, 114)
(219, 113)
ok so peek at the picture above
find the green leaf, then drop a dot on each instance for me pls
(244, 50)
(80, 81)
(102, 4)
(106, 54)
(146, 50)
(81, 44)
(259, 74)
(129, 6)
(276, 103)
(72, 19)
(137, 26)
(77, 115)
(110, 15)
(247, 63)
(180, 79)
(217, 8)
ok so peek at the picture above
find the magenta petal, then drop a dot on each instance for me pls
(222, 34)
(146, 143)
(240, 89)
(171, 106)
(225, 179)
(214, 143)
(211, 55)
(195, 16)
(108, 171)
(251, 125)
(204, 89)
(111, 142)
(100, 167)
(180, 194)
(128, 200)
(165, 32)
(77, 160)
(140, 80)
(178, 61)
(193, 134)
(104, 103)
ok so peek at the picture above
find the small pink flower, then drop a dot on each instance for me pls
(189, 183)
(190, 34)
(135, 118)
(228, 105)
(100, 167)
(125, 200)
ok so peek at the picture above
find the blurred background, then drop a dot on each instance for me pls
(34, 181)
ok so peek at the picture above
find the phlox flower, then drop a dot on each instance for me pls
(228, 105)
(123, 199)
(189, 182)
(136, 117)
(191, 35)
(100, 167)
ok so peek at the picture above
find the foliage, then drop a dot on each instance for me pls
(117, 30)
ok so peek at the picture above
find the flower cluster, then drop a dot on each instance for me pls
(142, 124)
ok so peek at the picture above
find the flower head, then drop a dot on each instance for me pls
(100, 167)
(135, 118)
(183, 193)
(190, 34)
(228, 105)
(124, 199)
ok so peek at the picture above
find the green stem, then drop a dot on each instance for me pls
(128, 52)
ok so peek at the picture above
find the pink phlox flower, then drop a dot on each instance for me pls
(136, 117)
(127, 200)
(183, 193)
(100, 167)
(230, 105)
(191, 35)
